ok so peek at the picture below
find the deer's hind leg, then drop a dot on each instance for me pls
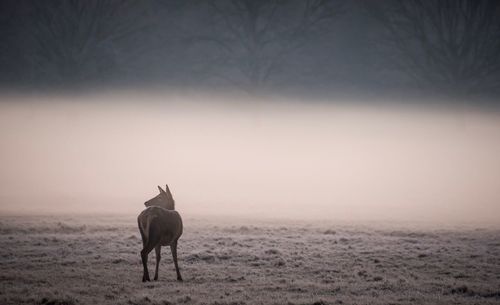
(144, 256)
(158, 257)
(152, 241)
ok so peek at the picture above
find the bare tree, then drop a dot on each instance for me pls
(447, 45)
(173, 57)
(10, 50)
(253, 38)
(79, 40)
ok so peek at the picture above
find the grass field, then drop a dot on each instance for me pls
(95, 260)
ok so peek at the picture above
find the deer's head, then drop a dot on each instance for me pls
(164, 199)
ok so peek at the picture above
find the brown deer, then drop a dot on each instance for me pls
(160, 225)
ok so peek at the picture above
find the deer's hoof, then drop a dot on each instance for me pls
(180, 279)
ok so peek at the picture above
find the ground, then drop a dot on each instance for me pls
(95, 260)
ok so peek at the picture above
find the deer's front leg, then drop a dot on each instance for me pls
(173, 247)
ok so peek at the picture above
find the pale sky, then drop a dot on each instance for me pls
(227, 156)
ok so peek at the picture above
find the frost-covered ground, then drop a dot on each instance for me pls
(95, 260)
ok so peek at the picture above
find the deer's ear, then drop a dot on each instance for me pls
(161, 190)
(167, 189)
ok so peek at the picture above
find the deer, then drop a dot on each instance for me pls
(160, 225)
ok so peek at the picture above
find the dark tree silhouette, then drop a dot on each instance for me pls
(253, 38)
(12, 57)
(77, 41)
(447, 45)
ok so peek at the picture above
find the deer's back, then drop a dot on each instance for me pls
(160, 221)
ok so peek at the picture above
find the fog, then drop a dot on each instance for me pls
(265, 157)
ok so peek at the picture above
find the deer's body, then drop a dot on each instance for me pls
(160, 225)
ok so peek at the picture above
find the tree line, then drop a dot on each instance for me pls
(448, 47)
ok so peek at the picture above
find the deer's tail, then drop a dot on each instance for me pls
(139, 224)
(144, 223)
